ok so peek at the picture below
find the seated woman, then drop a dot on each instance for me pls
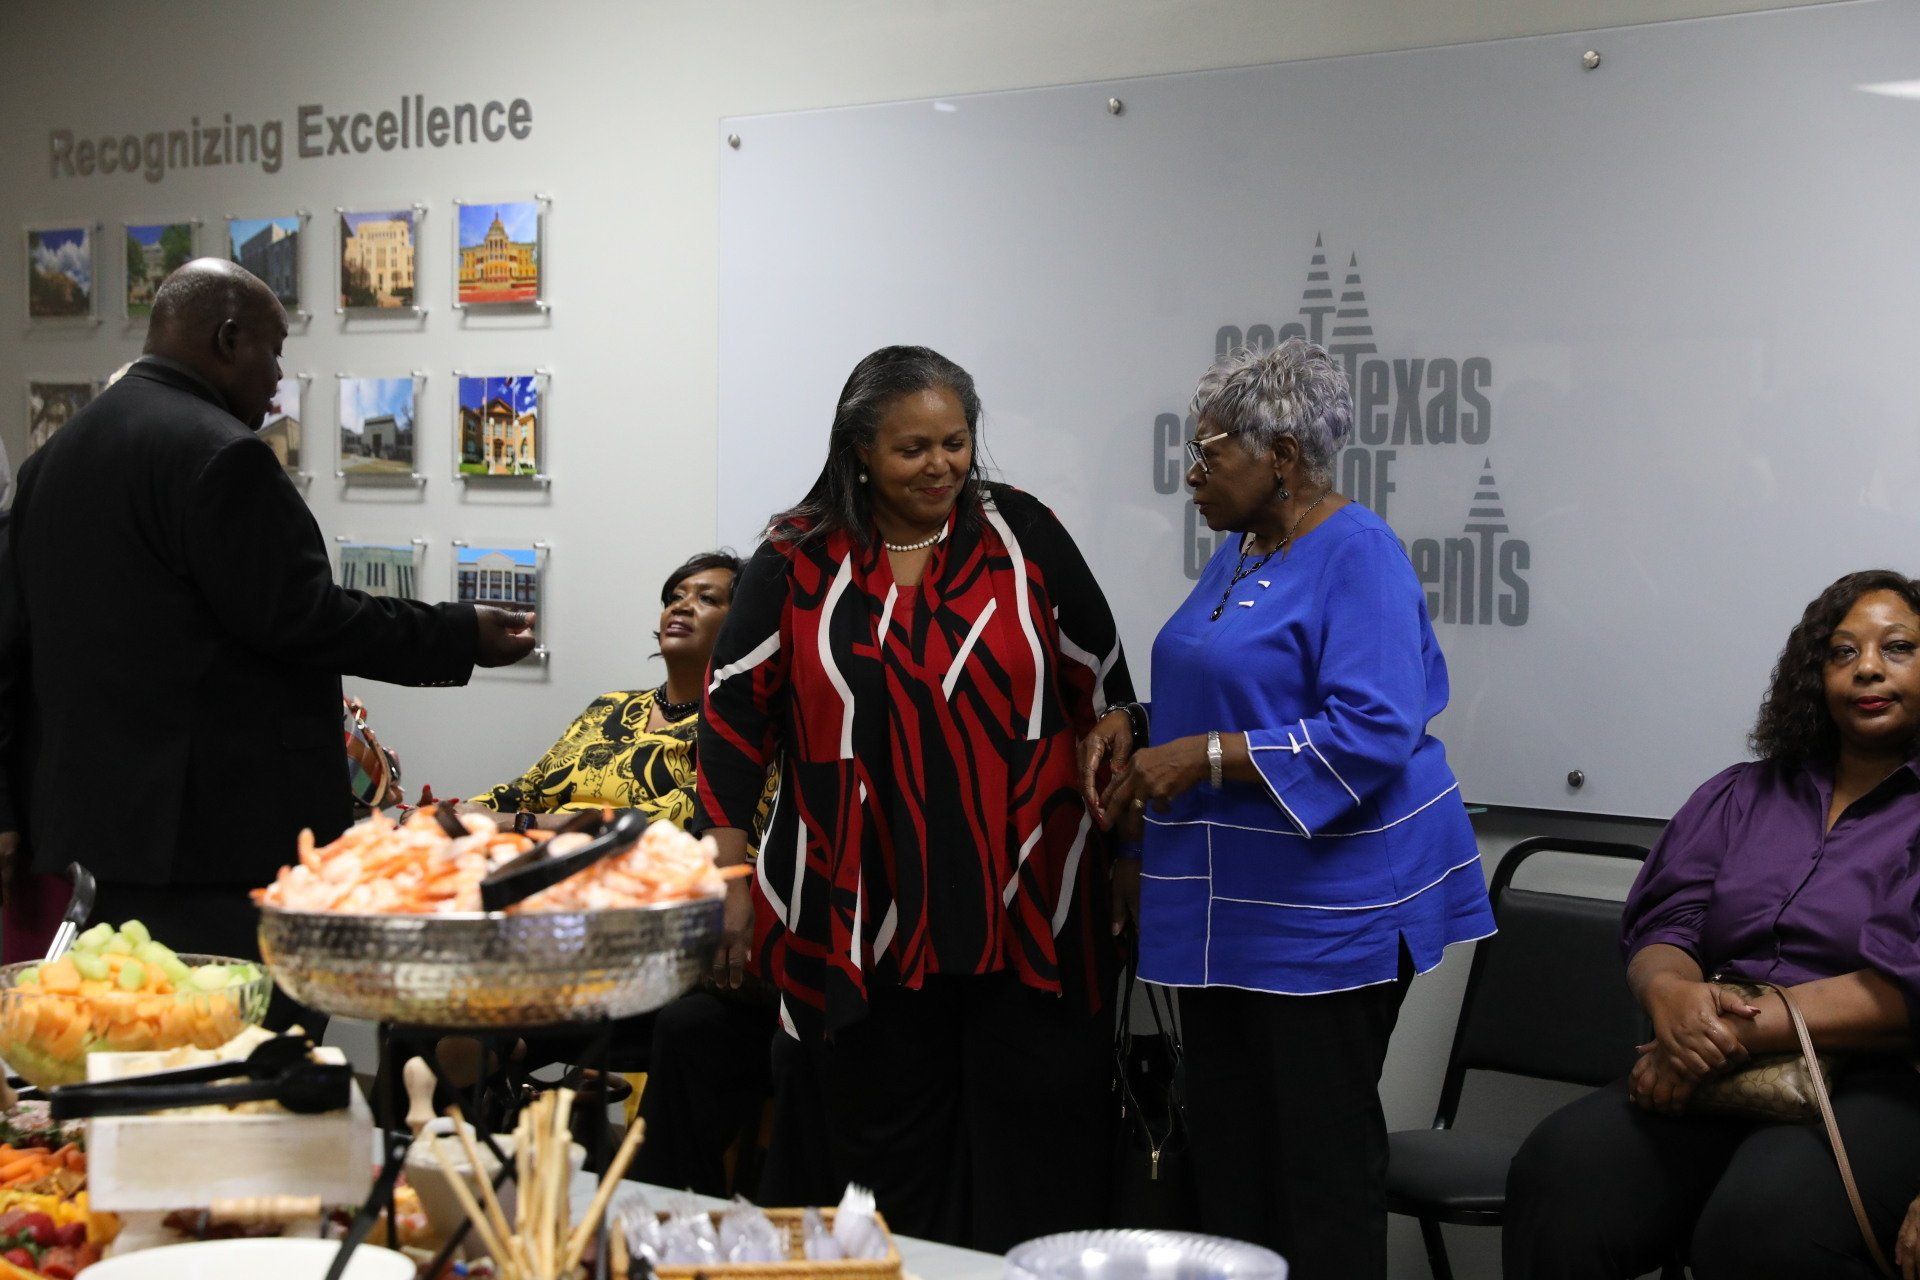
(707, 1053)
(1792, 869)
(634, 749)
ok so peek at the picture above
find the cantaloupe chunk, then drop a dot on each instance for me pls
(60, 976)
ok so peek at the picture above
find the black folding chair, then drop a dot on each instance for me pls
(1546, 998)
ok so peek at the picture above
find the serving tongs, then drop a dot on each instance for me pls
(269, 1060)
(79, 907)
(306, 1088)
(530, 873)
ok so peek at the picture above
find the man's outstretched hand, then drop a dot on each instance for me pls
(505, 636)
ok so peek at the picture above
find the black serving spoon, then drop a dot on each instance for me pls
(269, 1060)
(532, 872)
(306, 1088)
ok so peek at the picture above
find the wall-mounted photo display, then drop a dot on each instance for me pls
(270, 248)
(51, 404)
(379, 259)
(381, 568)
(377, 418)
(154, 251)
(282, 428)
(502, 426)
(508, 576)
(60, 272)
(499, 254)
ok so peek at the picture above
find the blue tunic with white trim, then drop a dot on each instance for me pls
(1357, 840)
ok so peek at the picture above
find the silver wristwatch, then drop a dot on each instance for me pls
(1216, 760)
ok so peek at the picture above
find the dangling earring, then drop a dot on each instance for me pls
(863, 477)
(1285, 493)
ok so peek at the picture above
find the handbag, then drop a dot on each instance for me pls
(1790, 1087)
(1153, 1170)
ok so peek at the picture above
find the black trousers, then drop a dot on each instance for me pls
(1604, 1189)
(211, 919)
(976, 1108)
(1289, 1138)
(709, 1071)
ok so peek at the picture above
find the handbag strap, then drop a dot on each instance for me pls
(1825, 1104)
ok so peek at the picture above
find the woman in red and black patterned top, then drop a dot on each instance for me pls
(920, 652)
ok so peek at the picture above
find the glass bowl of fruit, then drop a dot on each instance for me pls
(118, 990)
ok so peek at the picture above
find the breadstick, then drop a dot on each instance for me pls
(609, 1183)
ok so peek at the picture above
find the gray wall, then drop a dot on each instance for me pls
(625, 96)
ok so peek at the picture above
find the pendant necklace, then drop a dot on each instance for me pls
(1242, 571)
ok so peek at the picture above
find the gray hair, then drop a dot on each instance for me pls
(1293, 391)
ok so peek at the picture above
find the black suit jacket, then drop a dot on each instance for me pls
(182, 709)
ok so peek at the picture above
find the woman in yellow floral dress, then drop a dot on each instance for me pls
(634, 749)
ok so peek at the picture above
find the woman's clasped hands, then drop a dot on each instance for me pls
(1696, 1035)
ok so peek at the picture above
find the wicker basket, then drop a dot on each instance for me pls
(788, 1221)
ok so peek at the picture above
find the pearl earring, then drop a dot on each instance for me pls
(863, 477)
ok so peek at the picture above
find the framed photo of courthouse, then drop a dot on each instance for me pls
(51, 404)
(384, 569)
(154, 251)
(375, 426)
(284, 429)
(270, 248)
(500, 427)
(510, 576)
(378, 261)
(60, 274)
(499, 254)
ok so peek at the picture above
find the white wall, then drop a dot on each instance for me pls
(625, 96)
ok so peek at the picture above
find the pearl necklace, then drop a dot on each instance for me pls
(902, 548)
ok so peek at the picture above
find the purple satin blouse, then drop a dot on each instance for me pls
(1747, 880)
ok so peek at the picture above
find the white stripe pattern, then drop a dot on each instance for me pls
(886, 613)
(841, 581)
(966, 649)
(1308, 735)
(1025, 608)
(1006, 894)
(1363, 906)
(753, 658)
(1324, 835)
(1099, 666)
(1069, 872)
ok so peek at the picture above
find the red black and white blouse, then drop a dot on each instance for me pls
(929, 819)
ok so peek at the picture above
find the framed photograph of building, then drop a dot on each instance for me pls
(282, 428)
(499, 254)
(154, 250)
(376, 427)
(382, 569)
(502, 426)
(270, 248)
(60, 272)
(379, 261)
(51, 404)
(508, 576)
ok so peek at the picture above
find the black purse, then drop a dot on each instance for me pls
(1153, 1167)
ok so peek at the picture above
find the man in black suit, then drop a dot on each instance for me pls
(182, 705)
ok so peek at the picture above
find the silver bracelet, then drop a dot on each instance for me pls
(1216, 760)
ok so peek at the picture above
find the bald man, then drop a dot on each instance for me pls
(182, 711)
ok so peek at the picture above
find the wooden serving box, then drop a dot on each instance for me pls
(799, 1265)
(175, 1161)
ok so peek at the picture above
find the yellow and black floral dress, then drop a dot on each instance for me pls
(609, 758)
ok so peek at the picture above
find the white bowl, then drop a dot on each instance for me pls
(251, 1260)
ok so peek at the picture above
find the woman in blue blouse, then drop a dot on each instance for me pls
(1305, 848)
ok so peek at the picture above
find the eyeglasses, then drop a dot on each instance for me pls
(1197, 458)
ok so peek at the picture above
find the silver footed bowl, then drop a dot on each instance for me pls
(1142, 1255)
(491, 969)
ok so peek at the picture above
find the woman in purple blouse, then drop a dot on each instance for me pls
(1796, 869)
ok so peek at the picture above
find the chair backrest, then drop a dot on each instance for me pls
(1547, 995)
